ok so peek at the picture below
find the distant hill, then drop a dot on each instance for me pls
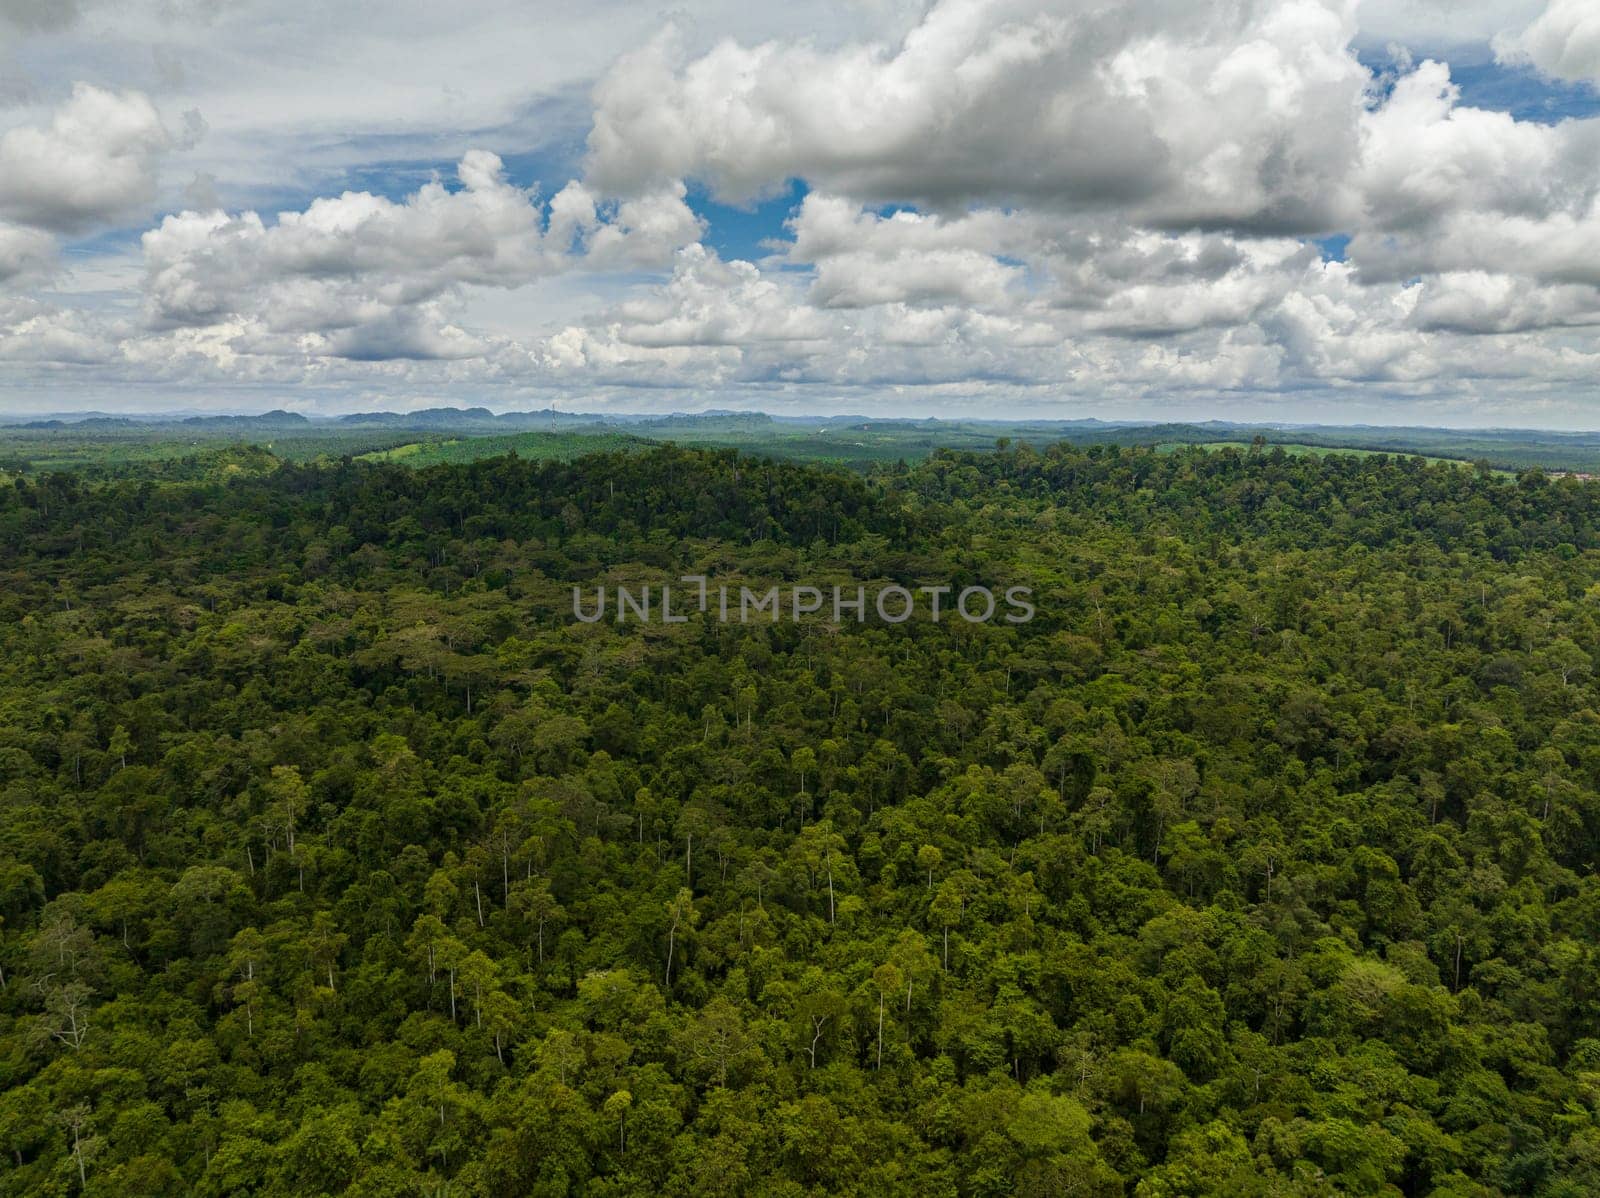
(267, 420)
(68, 441)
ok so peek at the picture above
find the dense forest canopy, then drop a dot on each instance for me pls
(336, 857)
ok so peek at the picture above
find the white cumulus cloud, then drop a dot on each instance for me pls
(364, 277)
(1564, 41)
(95, 161)
(1227, 112)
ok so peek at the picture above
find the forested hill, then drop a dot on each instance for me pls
(337, 857)
(681, 493)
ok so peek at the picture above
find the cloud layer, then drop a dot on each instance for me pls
(363, 277)
(1005, 201)
(1564, 41)
(94, 161)
(1214, 114)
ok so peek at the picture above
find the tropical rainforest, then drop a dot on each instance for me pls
(336, 857)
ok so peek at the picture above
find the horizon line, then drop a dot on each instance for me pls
(180, 416)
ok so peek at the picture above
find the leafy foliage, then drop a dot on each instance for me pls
(335, 857)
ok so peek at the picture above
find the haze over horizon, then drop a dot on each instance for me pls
(1385, 212)
(839, 416)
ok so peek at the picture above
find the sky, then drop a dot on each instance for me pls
(1340, 211)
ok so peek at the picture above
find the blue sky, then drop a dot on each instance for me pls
(1520, 90)
(1114, 221)
(748, 230)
